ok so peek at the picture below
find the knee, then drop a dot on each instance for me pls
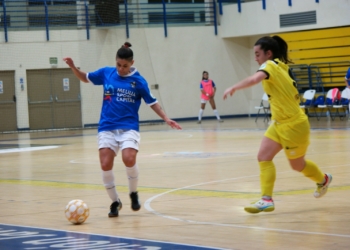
(260, 157)
(129, 161)
(297, 167)
(297, 164)
(106, 165)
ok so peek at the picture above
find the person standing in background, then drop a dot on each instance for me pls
(347, 84)
(208, 89)
(347, 78)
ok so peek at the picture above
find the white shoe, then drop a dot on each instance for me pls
(260, 206)
(321, 189)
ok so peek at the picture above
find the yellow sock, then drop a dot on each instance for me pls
(312, 171)
(267, 177)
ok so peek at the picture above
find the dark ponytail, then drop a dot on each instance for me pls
(283, 49)
(125, 52)
(277, 45)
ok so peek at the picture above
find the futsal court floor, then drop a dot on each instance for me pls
(193, 185)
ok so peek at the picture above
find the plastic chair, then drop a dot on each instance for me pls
(309, 96)
(331, 99)
(264, 106)
(343, 104)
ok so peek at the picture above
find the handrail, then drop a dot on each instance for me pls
(164, 19)
(87, 21)
(320, 75)
(68, 100)
(215, 18)
(5, 20)
(84, 14)
(47, 22)
(126, 18)
(14, 99)
(7, 102)
(40, 102)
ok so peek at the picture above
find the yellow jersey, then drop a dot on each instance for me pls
(281, 89)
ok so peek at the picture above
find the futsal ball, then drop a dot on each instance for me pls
(77, 211)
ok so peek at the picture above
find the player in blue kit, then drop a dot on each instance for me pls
(118, 129)
(347, 78)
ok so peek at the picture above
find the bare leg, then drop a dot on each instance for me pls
(201, 113)
(213, 106)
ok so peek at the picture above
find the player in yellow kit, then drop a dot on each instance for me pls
(289, 129)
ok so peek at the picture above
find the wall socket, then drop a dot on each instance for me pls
(154, 86)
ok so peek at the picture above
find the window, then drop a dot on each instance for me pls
(130, 18)
(36, 2)
(54, 20)
(176, 1)
(158, 1)
(63, 2)
(50, 2)
(202, 16)
(8, 21)
(171, 17)
(181, 1)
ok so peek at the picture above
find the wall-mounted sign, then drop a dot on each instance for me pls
(21, 82)
(53, 60)
(65, 84)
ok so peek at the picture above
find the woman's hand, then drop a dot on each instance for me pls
(173, 124)
(230, 91)
(69, 61)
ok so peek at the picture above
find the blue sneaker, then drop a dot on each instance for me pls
(260, 206)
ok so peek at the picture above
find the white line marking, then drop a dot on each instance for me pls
(147, 206)
(28, 149)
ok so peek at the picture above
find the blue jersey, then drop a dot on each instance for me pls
(347, 77)
(121, 98)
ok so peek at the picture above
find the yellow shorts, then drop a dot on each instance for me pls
(294, 136)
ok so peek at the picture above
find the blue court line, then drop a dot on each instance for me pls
(35, 238)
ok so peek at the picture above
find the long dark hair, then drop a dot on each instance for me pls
(277, 45)
(125, 52)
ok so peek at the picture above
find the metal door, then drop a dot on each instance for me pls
(8, 113)
(54, 99)
(67, 101)
(40, 100)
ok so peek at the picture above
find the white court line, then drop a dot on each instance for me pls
(28, 149)
(147, 206)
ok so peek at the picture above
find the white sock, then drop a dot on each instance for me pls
(133, 176)
(217, 114)
(200, 114)
(108, 182)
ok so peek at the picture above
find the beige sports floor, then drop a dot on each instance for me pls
(193, 186)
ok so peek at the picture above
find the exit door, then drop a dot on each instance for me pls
(8, 113)
(54, 99)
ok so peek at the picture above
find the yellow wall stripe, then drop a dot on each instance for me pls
(316, 34)
(322, 43)
(320, 53)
